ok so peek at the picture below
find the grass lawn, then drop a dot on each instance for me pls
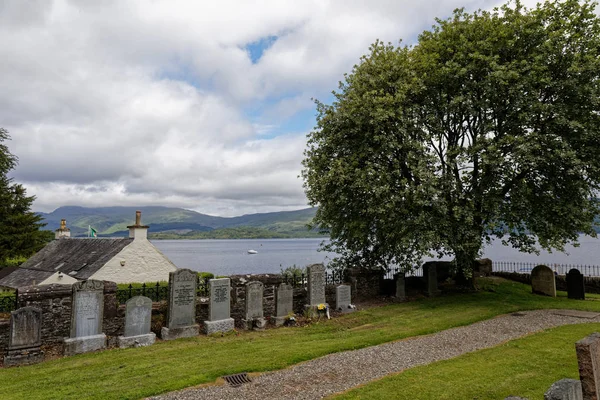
(524, 367)
(166, 366)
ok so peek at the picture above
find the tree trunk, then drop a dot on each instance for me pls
(464, 261)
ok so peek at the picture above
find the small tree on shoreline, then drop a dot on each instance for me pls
(488, 127)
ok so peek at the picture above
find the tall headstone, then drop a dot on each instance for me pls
(400, 286)
(343, 299)
(430, 274)
(284, 303)
(219, 308)
(86, 318)
(138, 316)
(181, 314)
(588, 358)
(542, 281)
(575, 285)
(254, 318)
(25, 337)
(316, 284)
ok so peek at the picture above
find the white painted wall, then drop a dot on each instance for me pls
(142, 262)
(63, 280)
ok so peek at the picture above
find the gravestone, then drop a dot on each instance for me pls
(588, 358)
(25, 337)
(86, 318)
(219, 317)
(138, 315)
(565, 389)
(343, 299)
(254, 316)
(575, 285)
(400, 286)
(542, 281)
(284, 301)
(430, 274)
(316, 284)
(181, 314)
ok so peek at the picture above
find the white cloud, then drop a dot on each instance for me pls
(139, 103)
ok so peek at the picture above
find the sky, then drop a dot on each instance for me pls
(203, 105)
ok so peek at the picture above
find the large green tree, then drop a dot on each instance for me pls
(20, 234)
(489, 126)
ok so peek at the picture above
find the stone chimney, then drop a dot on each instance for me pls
(63, 231)
(138, 231)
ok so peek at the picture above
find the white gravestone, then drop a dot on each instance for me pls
(86, 318)
(254, 318)
(181, 314)
(219, 317)
(138, 317)
(316, 284)
(25, 337)
(343, 299)
(284, 303)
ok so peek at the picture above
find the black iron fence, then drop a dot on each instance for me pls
(301, 280)
(8, 302)
(560, 269)
(157, 292)
(418, 271)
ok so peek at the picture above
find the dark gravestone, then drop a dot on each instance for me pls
(575, 285)
(181, 314)
(25, 337)
(430, 275)
(138, 315)
(86, 318)
(588, 358)
(284, 298)
(400, 286)
(542, 281)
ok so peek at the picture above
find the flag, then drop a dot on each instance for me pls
(91, 232)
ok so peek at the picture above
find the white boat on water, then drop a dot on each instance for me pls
(252, 252)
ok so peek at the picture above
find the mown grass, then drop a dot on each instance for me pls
(524, 367)
(166, 366)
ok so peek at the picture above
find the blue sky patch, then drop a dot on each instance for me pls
(256, 49)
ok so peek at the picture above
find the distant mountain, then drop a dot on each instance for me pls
(170, 222)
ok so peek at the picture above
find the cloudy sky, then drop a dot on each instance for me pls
(197, 104)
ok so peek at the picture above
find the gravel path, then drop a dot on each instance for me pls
(337, 372)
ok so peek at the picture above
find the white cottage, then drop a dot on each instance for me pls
(67, 260)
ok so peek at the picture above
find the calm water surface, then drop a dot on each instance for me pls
(227, 257)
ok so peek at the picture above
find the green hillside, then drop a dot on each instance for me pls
(173, 223)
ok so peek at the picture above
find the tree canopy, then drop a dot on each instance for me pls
(20, 234)
(489, 126)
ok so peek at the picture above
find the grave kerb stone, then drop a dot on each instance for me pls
(181, 314)
(543, 281)
(343, 298)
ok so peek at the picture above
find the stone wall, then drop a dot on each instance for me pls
(592, 283)
(365, 284)
(55, 302)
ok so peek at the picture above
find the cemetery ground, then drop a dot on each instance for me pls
(167, 366)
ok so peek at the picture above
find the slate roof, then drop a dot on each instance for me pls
(78, 258)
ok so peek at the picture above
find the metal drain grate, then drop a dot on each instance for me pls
(236, 380)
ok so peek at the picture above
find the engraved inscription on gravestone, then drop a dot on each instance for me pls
(87, 315)
(316, 284)
(138, 313)
(254, 300)
(219, 299)
(182, 301)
